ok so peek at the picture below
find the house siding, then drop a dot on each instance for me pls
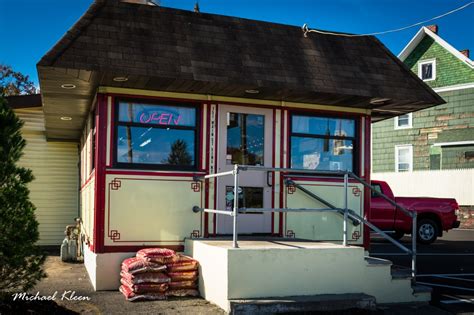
(449, 69)
(450, 122)
(54, 191)
(453, 121)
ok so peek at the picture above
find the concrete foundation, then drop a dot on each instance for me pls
(104, 269)
(263, 269)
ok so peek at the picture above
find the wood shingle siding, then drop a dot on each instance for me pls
(54, 191)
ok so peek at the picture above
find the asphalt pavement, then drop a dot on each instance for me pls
(447, 266)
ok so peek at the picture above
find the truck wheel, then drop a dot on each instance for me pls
(397, 235)
(427, 231)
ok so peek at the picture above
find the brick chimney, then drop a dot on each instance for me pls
(433, 28)
(465, 52)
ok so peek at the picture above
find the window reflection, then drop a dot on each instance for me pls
(323, 126)
(249, 197)
(155, 146)
(322, 143)
(160, 135)
(245, 139)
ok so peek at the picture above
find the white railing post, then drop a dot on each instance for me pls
(344, 227)
(236, 205)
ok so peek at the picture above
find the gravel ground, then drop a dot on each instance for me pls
(74, 294)
(65, 278)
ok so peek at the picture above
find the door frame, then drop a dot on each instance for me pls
(221, 165)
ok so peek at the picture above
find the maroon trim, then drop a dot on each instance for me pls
(282, 149)
(91, 176)
(273, 165)
(367, 193)
(161, 167)
(135, 248)
(112, 136)
(91, 143)
(152, 173)
(200, 133)
(101, 141)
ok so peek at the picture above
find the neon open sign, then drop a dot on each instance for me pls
(160, 118)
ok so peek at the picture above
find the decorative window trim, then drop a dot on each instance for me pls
(355, 139)
(410, 150)
(410, 122)
(150, 166)
(424, 62)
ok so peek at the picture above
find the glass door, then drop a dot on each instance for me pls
(244, 139)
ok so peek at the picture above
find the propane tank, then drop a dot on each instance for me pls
(65, 250)
(72, 252)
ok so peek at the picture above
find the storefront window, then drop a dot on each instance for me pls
(322, 143)
(160, 136)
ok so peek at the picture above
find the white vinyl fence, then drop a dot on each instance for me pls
(457, 184)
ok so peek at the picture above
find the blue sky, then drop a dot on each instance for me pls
(29, 28)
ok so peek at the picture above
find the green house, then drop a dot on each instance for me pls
(424, 152)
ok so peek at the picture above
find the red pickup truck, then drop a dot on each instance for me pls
(435, 215)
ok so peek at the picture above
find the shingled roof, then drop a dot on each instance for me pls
(166, 49)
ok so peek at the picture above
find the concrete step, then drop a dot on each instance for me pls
(374, 262)
(400, 272)
(419, 289)
(312, 303)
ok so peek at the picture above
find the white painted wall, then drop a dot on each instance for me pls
(104, 269)
(457, 184)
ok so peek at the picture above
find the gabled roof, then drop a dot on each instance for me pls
(172, 50)
(424, 31)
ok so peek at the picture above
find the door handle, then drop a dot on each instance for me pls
(269, 178)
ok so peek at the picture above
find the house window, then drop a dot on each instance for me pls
(322, 143)
(403, 158)
(403, 121)
(427, 70)
(435, 157)
(159, 136)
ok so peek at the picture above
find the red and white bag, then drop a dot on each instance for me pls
(145, 287)
(158, 255)
(147, 277)
(183, 276)
(136, 265)
(182, 263)
(182, 285)
(132, 296)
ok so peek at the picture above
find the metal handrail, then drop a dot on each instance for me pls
(348, 213)
(318, 198)
(393, 203)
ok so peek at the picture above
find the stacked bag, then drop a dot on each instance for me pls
(156, 273)
(183, 273)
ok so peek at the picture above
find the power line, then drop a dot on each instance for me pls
(306, 30)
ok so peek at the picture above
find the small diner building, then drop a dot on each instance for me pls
(159, 97)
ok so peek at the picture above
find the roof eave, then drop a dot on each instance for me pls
(421, 34)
